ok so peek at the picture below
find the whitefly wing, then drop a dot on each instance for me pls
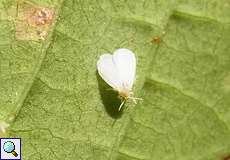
(125, 62)
(108, 71)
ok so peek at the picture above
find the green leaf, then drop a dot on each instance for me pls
(53, 98)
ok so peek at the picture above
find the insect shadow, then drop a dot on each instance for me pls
(109, 98)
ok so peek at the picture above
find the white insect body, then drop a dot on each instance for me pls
(119, 70)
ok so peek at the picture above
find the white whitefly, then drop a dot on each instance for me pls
(119, 70)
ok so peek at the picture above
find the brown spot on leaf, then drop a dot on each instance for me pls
(33, 22)
(41, 16)
(226, 157)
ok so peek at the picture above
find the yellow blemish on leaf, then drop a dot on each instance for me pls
(3, 127)
(226, 83)
(33, 22)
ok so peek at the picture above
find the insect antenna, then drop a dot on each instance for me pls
(134, 99)
(123, 102)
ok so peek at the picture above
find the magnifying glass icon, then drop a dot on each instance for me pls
(9, 147)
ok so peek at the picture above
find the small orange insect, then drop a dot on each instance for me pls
(156, 40)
